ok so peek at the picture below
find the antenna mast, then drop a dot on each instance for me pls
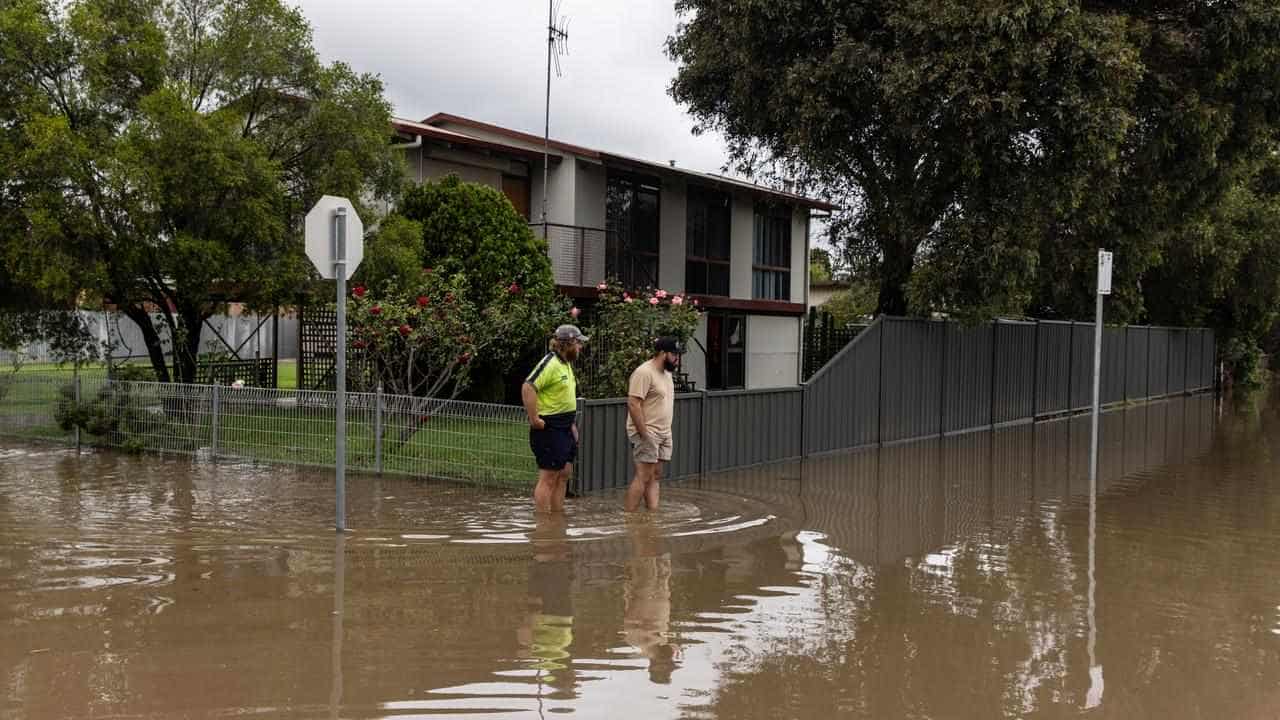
(557, 45)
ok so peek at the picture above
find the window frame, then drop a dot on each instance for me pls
(635, 183)
(765, 214)
(707, 198)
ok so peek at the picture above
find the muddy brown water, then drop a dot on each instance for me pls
(959, 578)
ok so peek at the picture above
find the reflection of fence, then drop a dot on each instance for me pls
(392, 434)
(905, 379)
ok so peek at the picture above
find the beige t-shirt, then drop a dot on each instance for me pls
(657, 390)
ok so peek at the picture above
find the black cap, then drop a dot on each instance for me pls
(668, 344)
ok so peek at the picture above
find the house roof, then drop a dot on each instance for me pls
(589, 153)
(409, 127)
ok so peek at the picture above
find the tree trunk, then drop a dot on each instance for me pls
(151, 338)
(895, 273)
(186, 349)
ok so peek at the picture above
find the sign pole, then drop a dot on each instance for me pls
(1104, 288)
(340, 363)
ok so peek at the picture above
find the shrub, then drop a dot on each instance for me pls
(626, 325)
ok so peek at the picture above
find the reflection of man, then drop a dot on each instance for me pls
(647, 593)
(549, 630)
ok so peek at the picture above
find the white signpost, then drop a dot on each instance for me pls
(335, 243)
(1094, 697)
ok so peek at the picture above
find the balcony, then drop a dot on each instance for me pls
(577, 253)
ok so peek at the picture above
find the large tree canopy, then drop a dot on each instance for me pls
(159, 154)
(984, 151)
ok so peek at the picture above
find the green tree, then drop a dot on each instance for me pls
(917, 117)
(471, 231)
(626, 325)
(820, 265)
(159, 155)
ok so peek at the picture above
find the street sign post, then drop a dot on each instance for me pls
(1094, 696)
(335, 243)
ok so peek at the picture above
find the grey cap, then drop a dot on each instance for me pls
(570, 332)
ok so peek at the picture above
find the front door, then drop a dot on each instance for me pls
(726, 351)
(517, 191)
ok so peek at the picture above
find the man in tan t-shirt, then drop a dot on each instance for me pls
(651, 401)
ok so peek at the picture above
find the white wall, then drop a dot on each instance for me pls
(773, 351)
(672, 204)
(741, 246)
(561, 199)
(694, 362)
(433, 169)
(799, 253)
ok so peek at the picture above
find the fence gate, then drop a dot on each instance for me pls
(239, 347)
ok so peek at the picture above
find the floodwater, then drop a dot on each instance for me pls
(960, 578)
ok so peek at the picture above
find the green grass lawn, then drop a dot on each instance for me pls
(489, 451)
(287, 375)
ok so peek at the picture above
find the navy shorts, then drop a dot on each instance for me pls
(554, 447)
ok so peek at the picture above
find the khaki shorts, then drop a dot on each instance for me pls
(657, 449)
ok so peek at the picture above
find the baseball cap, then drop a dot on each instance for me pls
(570, 332)
(668, 344)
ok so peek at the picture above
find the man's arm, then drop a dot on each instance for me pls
(635, 407)
(529, 395)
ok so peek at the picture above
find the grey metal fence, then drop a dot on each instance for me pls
(903, 380)
(385, 433)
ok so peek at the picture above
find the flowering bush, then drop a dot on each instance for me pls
(627, 323)
(421, 337)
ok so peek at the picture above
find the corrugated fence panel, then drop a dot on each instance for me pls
(1053, 368)
(911, 384)
(1158, 363)
(687, 436)
(1209, 367)
(967, 388)
(1177, 361)
(749, 427)
(1082, 366)
(1014, 393)
(1135, 376)
(604, 458)
(842, 407)
(1114, 349)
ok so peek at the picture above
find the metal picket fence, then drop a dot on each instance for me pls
(385, 433)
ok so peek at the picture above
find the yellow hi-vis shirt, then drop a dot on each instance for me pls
(557, 387)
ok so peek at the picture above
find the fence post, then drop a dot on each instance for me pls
(377, 430)
(213, 437)
(702, 434)
(77, 398)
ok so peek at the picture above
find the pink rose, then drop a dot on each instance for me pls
(653, 301)
(677, 300)
(626, 298)
(602, 286)
(661, 294)
(575, 312)
(695, 302)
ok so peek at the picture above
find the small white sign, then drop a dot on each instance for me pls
(319, 236)
(1104, 272)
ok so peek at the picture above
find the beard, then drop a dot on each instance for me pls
(570, 353)
(670, 366)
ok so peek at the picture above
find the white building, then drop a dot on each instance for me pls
(742, 250)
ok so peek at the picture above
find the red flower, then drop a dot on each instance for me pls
(514, 289)
(405, 330)
(426, 271)
(375, 310)
(359, 291)
(464, 358)
(423, 301)
(359, 344)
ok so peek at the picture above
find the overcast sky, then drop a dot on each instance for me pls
(486, 59)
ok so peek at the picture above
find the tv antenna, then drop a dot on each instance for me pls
(557, 45)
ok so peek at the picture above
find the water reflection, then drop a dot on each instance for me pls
(969, 577)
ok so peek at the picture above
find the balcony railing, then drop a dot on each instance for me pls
(577, 253)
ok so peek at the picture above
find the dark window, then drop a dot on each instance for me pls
(771, 262)
(706, 265)
(631, 252)
(726, 351)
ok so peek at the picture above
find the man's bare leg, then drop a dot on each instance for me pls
(639, 486)
(561, 487)
(545, 491)
(652, 489)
